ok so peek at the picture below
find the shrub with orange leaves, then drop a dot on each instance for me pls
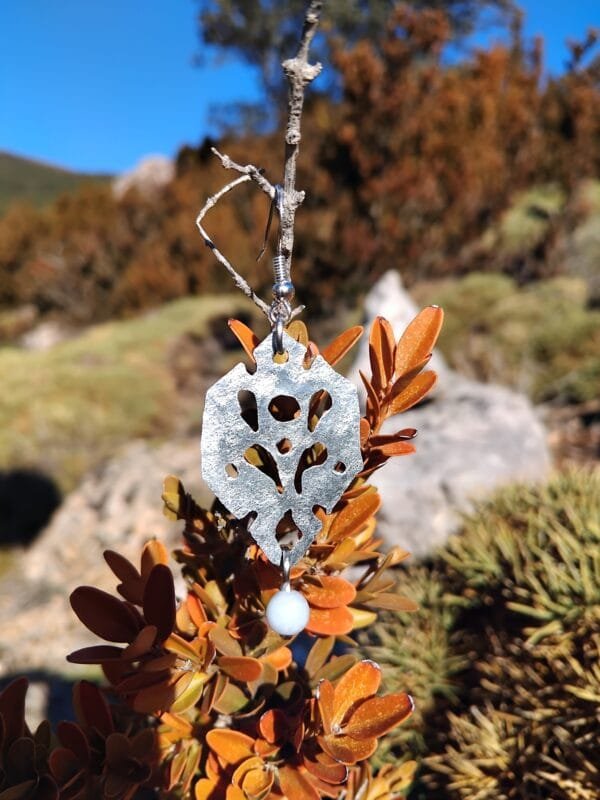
(208, 702)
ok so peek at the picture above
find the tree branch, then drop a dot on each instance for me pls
(299, 74)
(241, 284)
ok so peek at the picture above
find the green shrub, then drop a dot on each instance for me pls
(541, 339)
(517, 597)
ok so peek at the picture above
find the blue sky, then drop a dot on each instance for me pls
(97, 85)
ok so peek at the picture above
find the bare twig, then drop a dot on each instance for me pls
(237, 278)
(254, 172)
(299, 74)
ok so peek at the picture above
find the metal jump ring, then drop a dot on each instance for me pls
(285, 567)
(278, 326)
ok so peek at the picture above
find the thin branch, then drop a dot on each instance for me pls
(241, 284)
(299, 74)
(254, 172)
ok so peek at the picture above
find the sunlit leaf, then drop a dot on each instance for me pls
(329, 592)
(240, 668)
(382, 347)
(419, 339)
(245, 336)
(232, 746)
(348, 750)
(415, 391)
(377, 716)
(350, 519)
(329, 621)
(191, 694)
(359, 683)
(341, 345)
(296, 785)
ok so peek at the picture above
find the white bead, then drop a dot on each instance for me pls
(288, 612)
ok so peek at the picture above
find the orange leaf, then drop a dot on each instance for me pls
(382, 348)
(154, 552)
(419, 339)
(348, 750)
(298, 331)
(326, 769)
(415, 391)
(365, 431)
(232, 746)
(403, 381)
(354, 515)
(295, 785)
(330, 621)
(196, 610)
(241, 668)
(377, 716)
(396, 449)
(245, 336)
(224, 642)
(280, 658)
(332, 592)
(373, 406)
(326, 697)
(335, 351)
(359, 683)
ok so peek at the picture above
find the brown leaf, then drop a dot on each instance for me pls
(403, 381)
(159, 601)
(246, 337)
(327, 769)
(379, 715)
(341, 345)
(298, 331)
(97, 654)
(318, 655)
(336, 667)
(373, 405)
(224, 641)
(91, 707)
(12, 709)
(382, 347)
(240, 668)
(365, 431)
(104, 615)
(419, 339)
(329, 591)
(415, 391)
(393, 602)
(131, 586)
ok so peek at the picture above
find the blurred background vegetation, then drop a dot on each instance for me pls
(476, 175)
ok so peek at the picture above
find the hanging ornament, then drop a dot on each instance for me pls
(277, 444)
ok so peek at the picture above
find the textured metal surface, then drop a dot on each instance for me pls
(226, 436)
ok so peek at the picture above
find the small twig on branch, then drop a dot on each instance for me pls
(241, 284)
(253, 172)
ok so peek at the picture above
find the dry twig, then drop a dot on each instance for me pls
(299, 74)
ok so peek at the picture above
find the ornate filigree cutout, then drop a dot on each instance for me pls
(280, 442)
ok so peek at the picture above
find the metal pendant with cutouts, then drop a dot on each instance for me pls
(280, 442)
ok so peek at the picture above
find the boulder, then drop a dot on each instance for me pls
(148, 176)
(472, 439)
(115, 508)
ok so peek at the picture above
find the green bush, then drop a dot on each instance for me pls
(516, 608)
(541, 339)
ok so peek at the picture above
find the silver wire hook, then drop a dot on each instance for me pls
(285, 568)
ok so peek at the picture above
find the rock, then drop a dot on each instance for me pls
(148, 176)
(472, 439)
(45, 335)
(117, 507)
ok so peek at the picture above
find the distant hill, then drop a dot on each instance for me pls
(38, 183)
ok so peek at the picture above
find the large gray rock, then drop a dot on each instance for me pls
(473, 438)
(117, 508)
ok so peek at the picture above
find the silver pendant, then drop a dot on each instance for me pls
(301, 425)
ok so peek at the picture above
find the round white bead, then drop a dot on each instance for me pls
(288, 612)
